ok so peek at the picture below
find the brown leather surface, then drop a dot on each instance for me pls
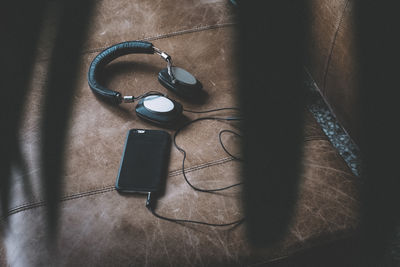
(331, 60)
(98, 130)
(107, 229)
(324, 21)
(341, 90)
(98, 226)
(116, 21)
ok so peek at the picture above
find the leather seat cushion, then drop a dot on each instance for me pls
(97, 225)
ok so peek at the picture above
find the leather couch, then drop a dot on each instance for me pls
(99, 227)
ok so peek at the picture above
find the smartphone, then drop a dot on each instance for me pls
(144, 161)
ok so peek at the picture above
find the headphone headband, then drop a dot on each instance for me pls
(160, 109)
(111, 53)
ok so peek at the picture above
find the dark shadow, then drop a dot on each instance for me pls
(59, 90)
(20, 24)
(270, 59)
(378, 58)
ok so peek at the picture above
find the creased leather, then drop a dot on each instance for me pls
(110, 229)
(332, 62)
(342, 90)
(324, 20)
(99, 227)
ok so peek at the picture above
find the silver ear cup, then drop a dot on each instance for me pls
(157, 103)
(159, 109)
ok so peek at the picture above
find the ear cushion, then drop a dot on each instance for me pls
(108, 55)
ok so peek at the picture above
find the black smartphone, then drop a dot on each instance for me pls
(144, 161)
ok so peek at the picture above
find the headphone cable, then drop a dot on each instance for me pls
(149, 199)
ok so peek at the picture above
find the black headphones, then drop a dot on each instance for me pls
(152, 106)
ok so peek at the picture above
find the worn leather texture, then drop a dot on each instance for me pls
(332, 60)
(100, 227)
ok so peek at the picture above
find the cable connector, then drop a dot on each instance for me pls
(148, 200)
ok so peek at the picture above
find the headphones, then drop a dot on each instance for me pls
(152, 106)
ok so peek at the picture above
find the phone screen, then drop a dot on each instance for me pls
(144, 161)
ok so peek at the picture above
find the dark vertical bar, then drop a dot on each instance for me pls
(20, 23)
(63, 70)
(378, 44)
(271, 36)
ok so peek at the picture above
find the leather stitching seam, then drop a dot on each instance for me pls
(172, 34)
(161, 36)
(200, 166)
(31, 205)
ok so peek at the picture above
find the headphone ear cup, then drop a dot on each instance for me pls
(159, 109)
(184, 83)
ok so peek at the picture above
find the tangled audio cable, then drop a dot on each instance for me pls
(149, 200)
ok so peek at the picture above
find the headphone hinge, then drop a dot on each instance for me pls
(162, 54)
(167, 58)
(128, 99)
